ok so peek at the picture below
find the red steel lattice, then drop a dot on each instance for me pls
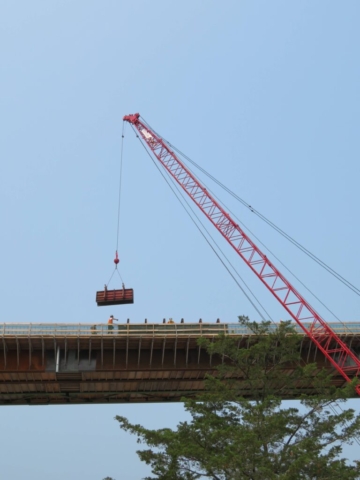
(334, 349)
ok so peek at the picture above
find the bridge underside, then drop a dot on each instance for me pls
(114, 368)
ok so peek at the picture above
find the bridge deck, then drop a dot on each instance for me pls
(87, 363)
(68, 329)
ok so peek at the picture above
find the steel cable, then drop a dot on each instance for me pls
(307, 252)
(182, 200)
(120, 181)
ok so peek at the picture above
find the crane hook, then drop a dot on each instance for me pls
(116, 259)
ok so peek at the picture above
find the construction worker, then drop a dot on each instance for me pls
(111, 323)
(171, 320)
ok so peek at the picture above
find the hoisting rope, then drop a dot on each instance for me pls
(273, 254)
(182, 199)
(307, 252)
(262, 217)
(258, 239)
(115, 270)
(116, 259)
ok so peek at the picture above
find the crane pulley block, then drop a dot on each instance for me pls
(114, 297)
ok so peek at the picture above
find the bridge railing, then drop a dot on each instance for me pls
(149, 329)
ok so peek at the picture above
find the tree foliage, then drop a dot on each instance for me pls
(234, 437)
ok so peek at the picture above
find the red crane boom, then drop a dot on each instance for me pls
(320, 332)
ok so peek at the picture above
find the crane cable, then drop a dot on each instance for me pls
(116, 259)
(277, 258)
(307, 252)
(187, 208)
(267, 221)
(120, 179)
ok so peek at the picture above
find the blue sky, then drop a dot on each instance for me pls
(263, 95)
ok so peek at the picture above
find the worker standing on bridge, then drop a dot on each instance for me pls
(111, 323)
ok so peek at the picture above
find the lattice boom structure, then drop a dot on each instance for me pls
(318, 330)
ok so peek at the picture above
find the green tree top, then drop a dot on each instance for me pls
(243, 430)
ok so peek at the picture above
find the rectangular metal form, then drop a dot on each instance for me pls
(114, 297)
